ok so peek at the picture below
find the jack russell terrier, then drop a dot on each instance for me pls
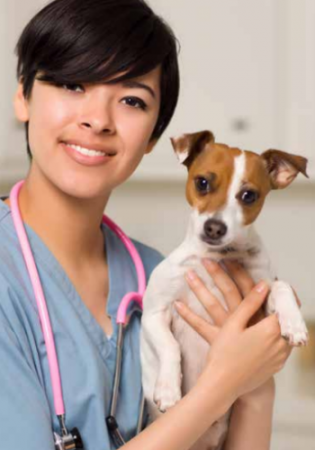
(226, 189)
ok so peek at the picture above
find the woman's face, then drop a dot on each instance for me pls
(87, 139)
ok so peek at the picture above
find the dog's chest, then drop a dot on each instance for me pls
(188, 297)
(194, 349)
(194, 354)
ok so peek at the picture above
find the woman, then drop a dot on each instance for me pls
(98, 85)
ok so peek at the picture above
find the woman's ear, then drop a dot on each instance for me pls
(150, 146)
(21, 105)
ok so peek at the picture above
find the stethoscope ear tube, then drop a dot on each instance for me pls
(40, 300)
(73, 439)
(111, 421)
(140, 419)
(120, 343)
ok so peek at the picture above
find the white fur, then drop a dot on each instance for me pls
(173, 355)
(182, 156)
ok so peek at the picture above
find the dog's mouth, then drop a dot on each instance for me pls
(227, 250)
(216, 246)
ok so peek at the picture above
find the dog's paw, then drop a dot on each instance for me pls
(294, 331)
(282, 301)
(167, 392)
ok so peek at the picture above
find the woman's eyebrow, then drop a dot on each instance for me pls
(137, 84)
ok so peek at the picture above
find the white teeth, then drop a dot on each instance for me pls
(85, 151)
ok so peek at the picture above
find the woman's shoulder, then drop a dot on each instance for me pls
(16, 301)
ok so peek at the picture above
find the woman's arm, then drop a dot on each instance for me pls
(184, 423)
(251, 420)
(230, 373)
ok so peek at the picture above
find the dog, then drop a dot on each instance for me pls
(226, 188)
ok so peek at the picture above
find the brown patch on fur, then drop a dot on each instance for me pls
(256, 177)
(217, 159)
(190, 145)
(283, 167)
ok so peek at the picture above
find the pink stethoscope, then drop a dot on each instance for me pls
(72, 440)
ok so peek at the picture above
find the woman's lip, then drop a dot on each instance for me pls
(84, 159)
(98, 148)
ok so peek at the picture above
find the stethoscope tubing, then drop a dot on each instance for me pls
(40, 300)
(122, 316)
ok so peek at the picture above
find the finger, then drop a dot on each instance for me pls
(257, 317)
(240, 276)
(206, 298)
(200, 325)
(250, 305)
(224, 283)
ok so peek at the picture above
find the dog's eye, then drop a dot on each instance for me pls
(249, 197)
(202, 185)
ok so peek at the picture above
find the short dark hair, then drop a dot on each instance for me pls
(88, 41)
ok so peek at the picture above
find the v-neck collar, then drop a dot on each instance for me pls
(115, 253)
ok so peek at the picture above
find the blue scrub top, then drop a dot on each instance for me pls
(86, 355)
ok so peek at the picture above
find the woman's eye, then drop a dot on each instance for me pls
(73, 87)
(135, 102)
(202, 185)
(249, 197)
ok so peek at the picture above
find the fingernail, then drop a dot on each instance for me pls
(191, 275)
(209, 263)
(231, 263)
(178, 304)
(261, 286)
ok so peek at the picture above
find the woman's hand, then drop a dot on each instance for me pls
(246, 357)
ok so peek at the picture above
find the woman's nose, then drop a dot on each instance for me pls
(97, 116)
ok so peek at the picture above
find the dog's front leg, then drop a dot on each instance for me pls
(281, 299)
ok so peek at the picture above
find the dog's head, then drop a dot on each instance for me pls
(227, 187)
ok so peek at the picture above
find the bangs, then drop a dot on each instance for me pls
(91, 41)
(88, 49)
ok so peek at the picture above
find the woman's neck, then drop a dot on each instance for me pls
(70, 227)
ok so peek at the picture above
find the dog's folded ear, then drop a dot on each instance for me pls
(188, 146)
(283, 167)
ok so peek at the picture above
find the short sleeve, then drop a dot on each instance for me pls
(25, 421)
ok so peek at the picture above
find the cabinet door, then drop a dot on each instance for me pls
(14, 15)
(229, 63)
(299, 79)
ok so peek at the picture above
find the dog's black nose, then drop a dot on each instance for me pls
(215, 229)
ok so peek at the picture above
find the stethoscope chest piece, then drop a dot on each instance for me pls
(70, 441)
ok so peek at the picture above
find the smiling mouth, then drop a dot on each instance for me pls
(89, 151)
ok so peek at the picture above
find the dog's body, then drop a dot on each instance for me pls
(173, 354)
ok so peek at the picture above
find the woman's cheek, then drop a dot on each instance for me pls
(60, 112)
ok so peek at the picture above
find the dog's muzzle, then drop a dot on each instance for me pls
(214, 231)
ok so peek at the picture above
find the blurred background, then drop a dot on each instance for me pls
(247, 74)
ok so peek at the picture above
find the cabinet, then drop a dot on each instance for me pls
(248, 74)
(14, 15)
